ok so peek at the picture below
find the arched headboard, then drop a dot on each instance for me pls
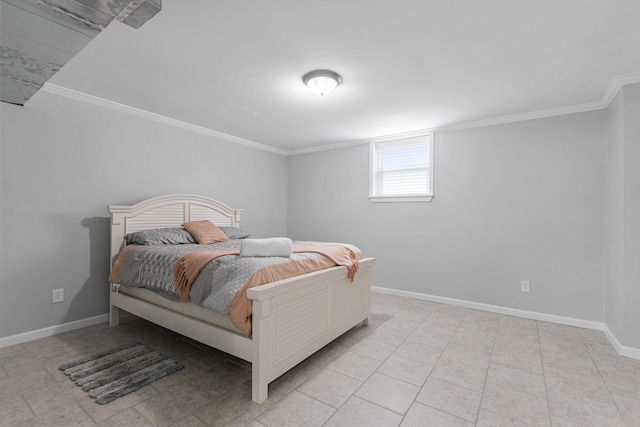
(165, 212)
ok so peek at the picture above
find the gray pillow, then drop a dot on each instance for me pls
(235, 233)
(160, 236)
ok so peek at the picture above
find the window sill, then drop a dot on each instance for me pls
(399, 199)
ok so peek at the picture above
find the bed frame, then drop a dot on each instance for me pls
(292, 318)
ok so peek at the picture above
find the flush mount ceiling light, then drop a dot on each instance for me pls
(322, 82)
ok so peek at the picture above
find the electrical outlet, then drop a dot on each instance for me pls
(525, 286)
(58, 295)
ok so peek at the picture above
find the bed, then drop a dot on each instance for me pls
(292, 318)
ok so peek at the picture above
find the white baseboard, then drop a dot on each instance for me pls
(544, 317)
(622, 350)
(52, 330)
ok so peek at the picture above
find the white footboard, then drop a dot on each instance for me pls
(294, 318)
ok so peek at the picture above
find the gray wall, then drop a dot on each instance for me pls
(623, 217)
(614, 295)
(521, 201)
(64, 161)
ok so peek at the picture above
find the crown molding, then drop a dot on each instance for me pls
(356, 142)
(616, 84)
(101, 102)
(609, 95)
(614, 87)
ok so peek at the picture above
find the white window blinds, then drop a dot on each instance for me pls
(402, 170)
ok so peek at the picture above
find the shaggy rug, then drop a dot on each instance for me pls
(110, 374)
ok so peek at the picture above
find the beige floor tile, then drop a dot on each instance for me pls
(577, 386)
(517, 379)
(54, 397)
(127, 418)
(420, 415)
(536, 373)
(406, 326)
(101, 412)
(561, 422)
(407, 370)
(72, 415)
(481, 341)
(413, 314)
(558, 350)
(448, 314)
(374, 349)
(207, 358)
(493, 419)
(169, 406)
(12, 352)
(515, 405)
(433, 334)
(314, 363)
(474, 355)
(355, 365)
(571, 368)
(473, 327)
(561, 333)
(283, 385)
(388, 392)
(418, 351)
(460, 374)
(450, 398)
(34, 362)
(390, 335)
(621, 366)
(583, 411)
(517, 342)
(233, 408)
(297, 409)
(629, 408)
(519, 324)
(221, 379)
(622, 385)
(359, 412)
(601, 351)
(29, 381)
(48, 345)
(14, 409)
(522, 359)
(482, 316)
(330, 387)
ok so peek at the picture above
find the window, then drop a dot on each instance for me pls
(402, 170)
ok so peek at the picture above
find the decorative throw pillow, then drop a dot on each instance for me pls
(235, 232)
(205, 231)
(160, 236)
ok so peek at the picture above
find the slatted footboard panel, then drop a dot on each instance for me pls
(290, 323)
(298, 322)
(349, 301)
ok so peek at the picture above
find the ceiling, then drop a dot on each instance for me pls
(37, 37)
(235, 67)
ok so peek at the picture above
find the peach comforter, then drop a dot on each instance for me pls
(189, 266)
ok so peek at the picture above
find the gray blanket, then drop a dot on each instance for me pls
(151, 267)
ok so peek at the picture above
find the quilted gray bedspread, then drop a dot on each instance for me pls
(151, 267)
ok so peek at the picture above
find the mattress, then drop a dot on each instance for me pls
(195, 311)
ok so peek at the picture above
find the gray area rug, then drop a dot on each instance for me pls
(110, 374)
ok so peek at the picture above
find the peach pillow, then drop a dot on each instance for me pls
(205, 231)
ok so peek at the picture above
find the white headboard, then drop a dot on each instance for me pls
(167, 211)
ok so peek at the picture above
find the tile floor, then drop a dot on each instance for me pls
(417, 364)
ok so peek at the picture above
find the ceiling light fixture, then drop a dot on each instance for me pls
(322, 82)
